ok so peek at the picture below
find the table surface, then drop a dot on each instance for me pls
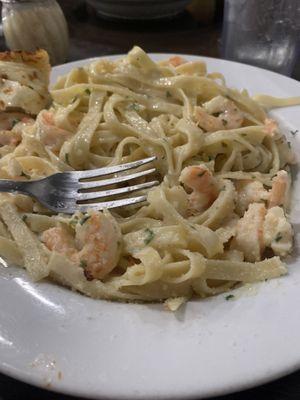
(92, 36)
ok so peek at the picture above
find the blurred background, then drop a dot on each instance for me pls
(258, 32)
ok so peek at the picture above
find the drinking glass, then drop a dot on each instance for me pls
(264, 33)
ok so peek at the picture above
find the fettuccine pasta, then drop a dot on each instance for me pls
(217, 219)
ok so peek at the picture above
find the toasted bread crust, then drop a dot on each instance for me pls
(38, 59)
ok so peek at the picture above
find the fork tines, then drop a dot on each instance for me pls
(83, 195)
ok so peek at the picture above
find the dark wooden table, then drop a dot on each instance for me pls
(92, 36)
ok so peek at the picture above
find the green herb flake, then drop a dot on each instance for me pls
(87, 91)
(14, 122)
(225, 122)
(201, 173)
(289, 144)
(84, 219)
(134, 107)
(24, 218)
(244, 134)
(168, 94)
(278, 237)
(294, 132)
(74, 99)
(149, 236)
(229, 297)
(83, 263)
(67, 158)
(224, 144)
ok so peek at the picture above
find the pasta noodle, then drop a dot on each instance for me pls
(219, 216)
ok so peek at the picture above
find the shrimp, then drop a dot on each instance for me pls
(203, 184)
(278, 232)
(249, 233)
(271, 127)
(11, 124)
(95, 246)
(50, 134)
(176, 61)
(249, 192)
(10, 138)
(229, 116)
(9, 119)
(60, 240)
(280, 189)
(99, 239)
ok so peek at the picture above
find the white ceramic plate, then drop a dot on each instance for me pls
(52, 337)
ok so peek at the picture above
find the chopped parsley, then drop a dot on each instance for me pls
(294, 132)
(67, 158)
(201, 173)
(289, 144)
(83, 263)
(278, 237)
(134, 107)
(224, 144)
(87, 91)
(244, 134)
(225, 122)
(24, 218)
(74, 99)
(14, 122)
(229, 297)
(168, 94)
(84, 219)
(149, 236)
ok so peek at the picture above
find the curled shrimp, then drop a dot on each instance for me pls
(204, 187)
(249, 232)
(176, 61)
(11, 124)
(95, 246)
(260, 228)
(270, 127)
(218, 114)
(50, 134)
(60, 240)
(280, 187)
(248, 192)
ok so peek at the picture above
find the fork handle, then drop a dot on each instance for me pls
(13, 186)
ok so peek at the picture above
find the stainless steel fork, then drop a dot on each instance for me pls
(68, 192)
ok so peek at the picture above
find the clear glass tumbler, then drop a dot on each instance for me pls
(264, 33)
